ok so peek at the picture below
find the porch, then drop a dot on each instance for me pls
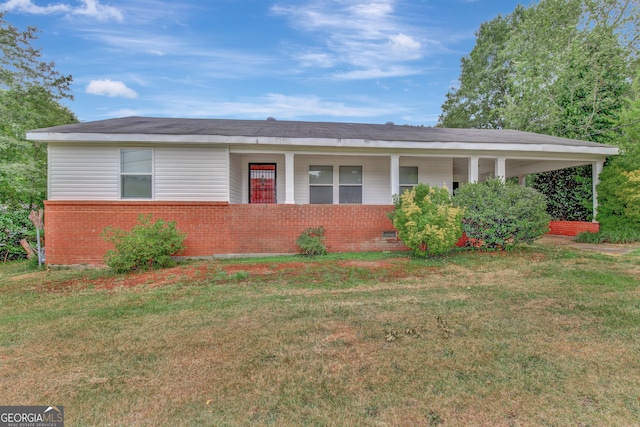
(371, 178)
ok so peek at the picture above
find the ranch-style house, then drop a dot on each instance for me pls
(252, 186)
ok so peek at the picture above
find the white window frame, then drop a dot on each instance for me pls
(335, 184)
(122, 174)
(331, 185)
(408, 185)
(360, 185)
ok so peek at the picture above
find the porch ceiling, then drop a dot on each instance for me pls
(515, 167)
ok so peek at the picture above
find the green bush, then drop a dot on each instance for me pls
(619, 235)
(619, 193)
(589, 237)
(568, 193)
(146, 246)
(311, 241)
(502, 215)
(426, 220)
(14, 226)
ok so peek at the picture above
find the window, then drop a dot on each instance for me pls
(136, 173)
(408, 178)
(321, 184)
(350, 185)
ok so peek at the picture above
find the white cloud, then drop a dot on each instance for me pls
(27, 6)
(286, 107)
(365, 34)
(372, 10)
(91, 8)
(377, 73)
(280, 106)
(404, 47)
(111, 88)
(321, 60)
(94, 9)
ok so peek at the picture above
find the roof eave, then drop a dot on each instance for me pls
(53, 137)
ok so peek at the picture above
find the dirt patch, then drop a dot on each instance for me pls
(190, 272)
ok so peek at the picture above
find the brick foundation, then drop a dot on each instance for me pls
(73, 228)
(572, 228)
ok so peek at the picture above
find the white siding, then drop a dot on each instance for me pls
(435, 171)
(180, 173)
(376, 181)
(235, 178)
(83, 173)
(190, 173)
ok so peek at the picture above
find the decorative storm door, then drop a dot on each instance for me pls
(262, 183)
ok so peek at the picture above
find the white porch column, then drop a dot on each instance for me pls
(596, 169)
(395, 174)
(522, 180)
(473, 169)
(289, 178)
(500, 171)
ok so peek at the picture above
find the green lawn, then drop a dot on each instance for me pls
(539, 336)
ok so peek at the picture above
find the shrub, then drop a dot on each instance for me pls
(619, 194)
(426, 220)
(311, 241)
(619, 235)
(502, 215)
(146, 246)
(589, 237)
(14, 226)
(568, 193)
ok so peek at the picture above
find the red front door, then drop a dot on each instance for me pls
(262, 183)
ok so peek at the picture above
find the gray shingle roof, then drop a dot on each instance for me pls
(300, 129)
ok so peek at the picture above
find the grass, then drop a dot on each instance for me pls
(538, 336)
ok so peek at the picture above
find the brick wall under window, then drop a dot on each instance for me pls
(73, 228)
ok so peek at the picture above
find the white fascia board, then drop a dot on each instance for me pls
(604, 150)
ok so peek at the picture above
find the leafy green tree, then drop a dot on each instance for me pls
(30, 95)
(619, 187)
(480, 99)
(558, 67)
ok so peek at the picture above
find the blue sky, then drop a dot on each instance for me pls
(368, 61)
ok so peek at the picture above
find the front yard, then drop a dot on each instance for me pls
(538, 336)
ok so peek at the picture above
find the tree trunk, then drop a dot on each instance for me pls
(27, 248)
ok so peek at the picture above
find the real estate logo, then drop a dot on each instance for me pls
(31, 416)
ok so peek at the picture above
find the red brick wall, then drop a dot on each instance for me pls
(73, 228)
(572, 228)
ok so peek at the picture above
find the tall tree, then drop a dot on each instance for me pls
(619, 188)
(30, 95)
(558, 67)
(484, 79)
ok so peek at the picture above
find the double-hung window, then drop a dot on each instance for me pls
(136, 173)
(350, 185)
(321, 184)
(323, 191)
(408, 178)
